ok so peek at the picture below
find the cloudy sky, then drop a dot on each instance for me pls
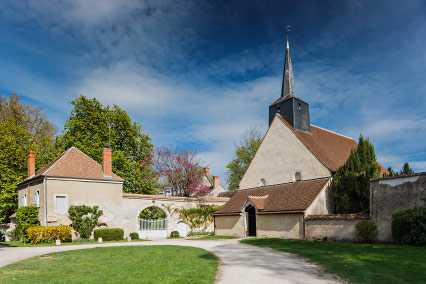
(199, 73)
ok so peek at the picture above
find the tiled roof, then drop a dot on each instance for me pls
(330, 148)
(289, 197)
(228, 193)
(356, 216)
(74, 164)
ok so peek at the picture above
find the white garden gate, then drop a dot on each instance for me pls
(152, 228)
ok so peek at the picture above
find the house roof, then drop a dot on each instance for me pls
(282, 198)
(330, 148)
(228, 193)
(74, 164)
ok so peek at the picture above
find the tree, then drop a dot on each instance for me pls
(406, 170)
(351, 183)
(244, 153)
(84, 219)
(152, 212)
(22, 128)
(181, 169)
(92, 126)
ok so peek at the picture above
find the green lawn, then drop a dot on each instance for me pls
(358, 263)
(215, 238)
(88, 242)
(138, 264)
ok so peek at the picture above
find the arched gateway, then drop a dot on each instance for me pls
(152, 223)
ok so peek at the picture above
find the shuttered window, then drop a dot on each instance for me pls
(61, 204)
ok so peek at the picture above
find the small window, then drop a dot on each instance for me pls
(37, 198)
(61, 204)
(102, 225)
(263, 182)
(298, 176)
(24, 200)
(165, 191)
(278, 108)
(172, 191)
(300, 106)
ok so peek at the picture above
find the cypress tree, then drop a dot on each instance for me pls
(351, 183)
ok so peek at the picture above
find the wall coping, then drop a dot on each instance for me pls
(339, 217)
(399, 176)
(162, 197)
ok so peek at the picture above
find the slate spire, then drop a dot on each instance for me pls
(287, 89)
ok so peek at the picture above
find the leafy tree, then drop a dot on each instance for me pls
(22, 128)
(351, 183)
(244, 153)
(26, 217)
(406, 170)
(92, 126)
(84, 219)
(152, 212)
(182, 170)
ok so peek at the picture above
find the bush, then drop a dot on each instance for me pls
(48, 234)
(113, 234)
(134, 236)
(84, 219)
(366, 231)
(174, 234)
(409, 226)
(26, 217)
(203, 233)
(13, 235)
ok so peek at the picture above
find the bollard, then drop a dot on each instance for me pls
(100, 240)
(58, 242)
(129, 239)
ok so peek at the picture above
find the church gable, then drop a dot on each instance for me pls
(280, 158)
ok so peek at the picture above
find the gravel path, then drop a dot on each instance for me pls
(239, 263)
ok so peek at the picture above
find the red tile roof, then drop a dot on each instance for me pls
(285, 198)
(74, 164)
(330, 148)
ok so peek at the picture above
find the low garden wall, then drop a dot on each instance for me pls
(332, 227)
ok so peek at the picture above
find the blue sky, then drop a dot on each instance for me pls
(199, 73)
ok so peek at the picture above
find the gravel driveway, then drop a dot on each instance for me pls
(239, 263)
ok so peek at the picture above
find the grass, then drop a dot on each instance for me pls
(85, 242)
(215, 237)
(358, 263)
(138, 264)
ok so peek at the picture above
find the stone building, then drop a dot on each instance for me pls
(73, 178)
(289, 176)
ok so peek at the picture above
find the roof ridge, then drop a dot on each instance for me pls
(284, 183)
(333, 132)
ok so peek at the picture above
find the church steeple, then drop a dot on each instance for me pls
(287, 89)
(290, 107)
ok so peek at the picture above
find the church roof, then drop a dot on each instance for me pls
(293, 197)
(74, 164)
(330, 148)
(287, 89)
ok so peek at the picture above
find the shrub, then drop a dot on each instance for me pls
(203, 233)
(198, 217)
(366, 231)
(47, 234)
(174, 234)
(13, 235)
(84, 219)
(134, 236)
(110, 234)
(26, 217)
(409, 226)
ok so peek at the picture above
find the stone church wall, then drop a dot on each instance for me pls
(279, 157)
(393, 194)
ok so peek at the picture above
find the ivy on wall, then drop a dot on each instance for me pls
(200, 216)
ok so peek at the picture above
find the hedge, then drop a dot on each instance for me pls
(47, 234)
(26, 217)
(134, 236)
(113, 234)
(409, 226)
(366, 231)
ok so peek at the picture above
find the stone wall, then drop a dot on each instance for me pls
(230, 225)
(332, 227)
(393, 194)
(288, 226)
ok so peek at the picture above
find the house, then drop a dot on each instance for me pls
(215, 188)
(289, 176)
(73, 178)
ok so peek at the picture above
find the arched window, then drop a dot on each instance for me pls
(262, 182)
(297, 176)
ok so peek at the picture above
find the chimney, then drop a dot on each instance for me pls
(31, 163)
(215, 181)
(107, 162)
(207, 172)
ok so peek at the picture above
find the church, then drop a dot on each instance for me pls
(290, 174)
